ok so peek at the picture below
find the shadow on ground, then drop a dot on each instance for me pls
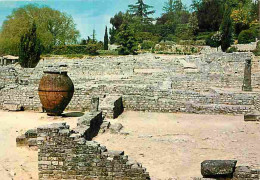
(73, 114)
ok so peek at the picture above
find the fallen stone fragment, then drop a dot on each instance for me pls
(12, 107)
(242, 172)
(32, 142)
(218, 168)
(31, 133)
(252, 116)
(21, 140)
(115, 128)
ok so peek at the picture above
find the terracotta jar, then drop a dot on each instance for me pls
(55, 90)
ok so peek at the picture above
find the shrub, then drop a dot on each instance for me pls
(147, 45)
(191, 42)
(247, 36)
(146, 36)
(214, 39)
(183, 32)
(257, 51)
(69, 49)
(107, 52)
(204, 35)
(92, 49)
(71, 56)
(172, 38)
(232, 49)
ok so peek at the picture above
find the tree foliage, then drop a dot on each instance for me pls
(106, 40)
(30, 48)
(209, 14)
(53, 28)
(226, 28)
(126, 38)
(141, 10)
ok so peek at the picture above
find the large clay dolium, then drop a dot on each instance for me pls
(55, 90)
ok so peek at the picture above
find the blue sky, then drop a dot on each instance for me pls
(87, 14)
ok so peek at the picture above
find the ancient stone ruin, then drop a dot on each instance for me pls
(209, 83)
(216, 83)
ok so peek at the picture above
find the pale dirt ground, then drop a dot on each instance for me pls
(170, 146)
(20, 163)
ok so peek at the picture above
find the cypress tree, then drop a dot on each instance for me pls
(106, 40)
(30, 48)
(94, 36)
(226, 28)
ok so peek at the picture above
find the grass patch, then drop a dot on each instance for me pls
(107, 52)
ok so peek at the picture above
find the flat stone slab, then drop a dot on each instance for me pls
(253, 116)
(218, 168)
(12, 107)
(89, 117)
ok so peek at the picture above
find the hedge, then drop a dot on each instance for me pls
(70, 49)
(247, 36)
(76, 49)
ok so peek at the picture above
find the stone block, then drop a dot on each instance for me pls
(32, 142)
(12, 107)
(218, 168)
(115, 128)
(112, 106)
(242, 172)
(252, 116)
(31, 133)
(21, 140)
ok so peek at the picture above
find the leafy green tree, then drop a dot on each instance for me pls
(112, 32)
(30, 48)
(169, 6)
(178, 6)
(53, 28)
(83, 42)
(226, 28)
(244, 14)
(106, 40)
(117, 20)
(126, 38)
(194, 24)
(209, 14)
(142, 10)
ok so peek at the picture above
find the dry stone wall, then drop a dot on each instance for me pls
(64, 154)
(208, 83)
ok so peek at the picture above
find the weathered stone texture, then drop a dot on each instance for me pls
(218, 168)
(64, 155)
(112, 106)
(209, 83)
(227, 170)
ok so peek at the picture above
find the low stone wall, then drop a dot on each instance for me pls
(209, 83)
(63, 154)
